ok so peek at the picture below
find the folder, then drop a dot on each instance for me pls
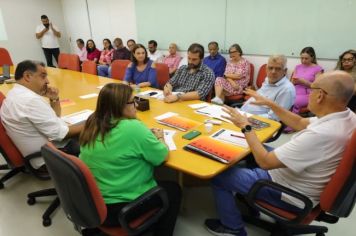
(213, 149)
(179, 122)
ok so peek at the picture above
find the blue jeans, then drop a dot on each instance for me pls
(103, 70)
(240, 180)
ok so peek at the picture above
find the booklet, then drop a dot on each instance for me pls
(211, 148)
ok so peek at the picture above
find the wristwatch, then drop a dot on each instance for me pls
(246, 129)
(179, 96)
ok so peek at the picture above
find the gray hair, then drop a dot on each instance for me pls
(279, 58)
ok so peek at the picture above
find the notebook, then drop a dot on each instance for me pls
(179, 122)
(214, 149)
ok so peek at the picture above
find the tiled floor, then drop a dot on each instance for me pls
(17, 218)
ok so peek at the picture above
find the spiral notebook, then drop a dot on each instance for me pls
(211, 148)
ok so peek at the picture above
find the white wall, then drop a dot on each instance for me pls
(21, 18)
(105, 19)
(76, 21)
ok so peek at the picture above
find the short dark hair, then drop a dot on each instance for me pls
(310, 51)
(153, 42)
(43, 17)
(81, 41)
(197, 48)
(213, 42)
(137, 46)
(27, 65)
(131, 40)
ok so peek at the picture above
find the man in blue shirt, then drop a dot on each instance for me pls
(276, 87)
(215, 61)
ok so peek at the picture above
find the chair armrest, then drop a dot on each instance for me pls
(154, 192)
(277, 134)
(29, 167)
(252, 197)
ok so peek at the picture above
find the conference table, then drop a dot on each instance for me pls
(72, 85)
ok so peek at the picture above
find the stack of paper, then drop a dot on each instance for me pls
(217, 112)
(77, 117)
(232, 137)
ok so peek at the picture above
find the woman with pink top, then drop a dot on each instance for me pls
(303, 75)
(105, 57)
(236, 76)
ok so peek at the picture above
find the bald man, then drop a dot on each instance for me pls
(305, 163)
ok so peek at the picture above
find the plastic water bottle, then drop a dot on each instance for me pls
(137, 88)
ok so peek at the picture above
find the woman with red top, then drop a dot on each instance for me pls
(93, 52)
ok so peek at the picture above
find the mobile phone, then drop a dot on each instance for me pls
(152, 93)
(192, 134)
(257, 124)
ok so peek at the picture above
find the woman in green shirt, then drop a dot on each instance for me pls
(121, 153)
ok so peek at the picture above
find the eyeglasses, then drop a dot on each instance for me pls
(231, 52)
(320, 89)
(347, 59)
(134, 102)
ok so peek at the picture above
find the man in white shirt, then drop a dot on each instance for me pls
(27, 117)
(81, 50)
(305, 163)
(48, 34)
(153, 53)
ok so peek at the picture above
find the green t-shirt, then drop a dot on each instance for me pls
(123, 167)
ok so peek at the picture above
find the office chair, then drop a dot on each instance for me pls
(73, 62)
(5, 58)
(89, 67)
(337, 200)
(63, 60)
(237, 100)
(162, 74)
(83, 203)
(118, 69)
(261, 76)
(16, 163)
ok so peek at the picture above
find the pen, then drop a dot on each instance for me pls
(237, 136)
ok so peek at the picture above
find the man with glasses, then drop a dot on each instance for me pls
(304, 164)
(29, 120)
(276, 87)
(215, 60)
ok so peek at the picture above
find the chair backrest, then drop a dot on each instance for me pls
(89, 67)
(73, 62)
(5, 58)
(10, 152)
(63, 60)
(162, 74)
(81, 199)
(261, 76)
(339, 195)
(118, 69)
(252, 74)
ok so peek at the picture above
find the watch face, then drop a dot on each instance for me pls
(248, 128)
